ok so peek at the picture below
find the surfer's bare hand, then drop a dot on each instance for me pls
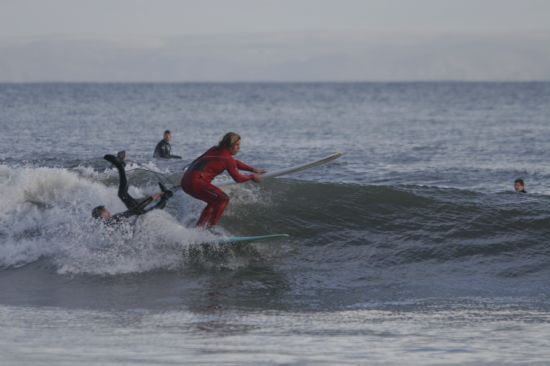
(257, 178)
(156, 196)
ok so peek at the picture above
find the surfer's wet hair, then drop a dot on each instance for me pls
(228, 140)
(97, 212)
(520, 181)
(167, 132)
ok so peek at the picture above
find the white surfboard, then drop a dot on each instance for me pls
(291, 170)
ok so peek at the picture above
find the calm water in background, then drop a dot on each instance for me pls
(412, 248)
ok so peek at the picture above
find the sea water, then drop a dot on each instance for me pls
(413, 248)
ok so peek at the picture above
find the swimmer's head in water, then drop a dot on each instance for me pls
(100, 212)
(519, 185)
(230, 141)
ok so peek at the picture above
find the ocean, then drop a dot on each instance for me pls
(413, 248)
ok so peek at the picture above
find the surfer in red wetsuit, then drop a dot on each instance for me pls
(198, 177)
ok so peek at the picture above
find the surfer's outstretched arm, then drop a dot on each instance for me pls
(234, 173)
(243, 166)
(161, 197)
(140, 208)
(123, 194)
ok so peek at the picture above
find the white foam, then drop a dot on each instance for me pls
(46, 213)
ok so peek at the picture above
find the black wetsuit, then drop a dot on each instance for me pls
(163, 150)
(135, 207)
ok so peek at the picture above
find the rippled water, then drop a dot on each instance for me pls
(412, 248)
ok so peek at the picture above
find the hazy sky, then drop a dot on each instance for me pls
(180, 17)
(274, 40)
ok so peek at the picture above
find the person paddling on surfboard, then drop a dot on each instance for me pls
(197, 179)
(135, 207)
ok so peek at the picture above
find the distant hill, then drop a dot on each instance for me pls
(295, 56)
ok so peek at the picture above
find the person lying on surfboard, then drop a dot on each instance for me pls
(197, 179)
(135, 206)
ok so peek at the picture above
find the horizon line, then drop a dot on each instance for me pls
(282, 82)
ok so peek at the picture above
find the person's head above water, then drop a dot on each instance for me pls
(101, 212)
(167, 136)
(231, 141)
(519, 185)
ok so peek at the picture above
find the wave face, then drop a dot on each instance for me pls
(411, 240)
(419, 210)
(349, 244)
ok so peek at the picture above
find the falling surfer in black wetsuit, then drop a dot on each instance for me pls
(135, 207)
(163, 150)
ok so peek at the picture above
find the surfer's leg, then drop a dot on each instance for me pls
(123, 194)
(216, 201)
(205, 191)
(218, 209)
(205, 216)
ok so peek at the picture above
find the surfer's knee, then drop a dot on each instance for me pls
(224, 198)
(222, 202)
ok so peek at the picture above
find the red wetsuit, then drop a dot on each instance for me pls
(197, 178)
